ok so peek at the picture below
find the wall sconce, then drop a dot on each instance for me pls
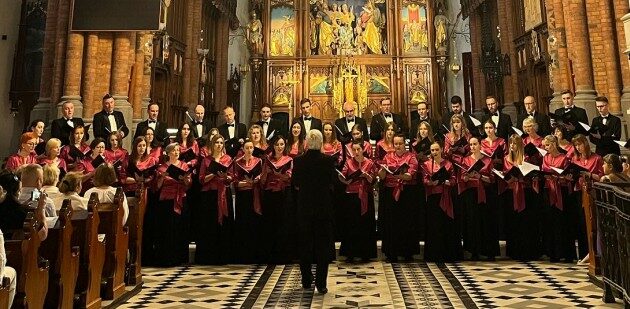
(455, 67)
(202, 52)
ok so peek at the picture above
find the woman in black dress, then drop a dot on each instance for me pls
(215, 210)
(358, 174)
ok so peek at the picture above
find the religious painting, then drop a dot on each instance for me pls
(283, 83)
(415, 34)
(320, 83)
(418, 79)
(283, 34)
(349, 27)
(533, 14)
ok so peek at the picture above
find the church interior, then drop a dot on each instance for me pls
(199, 60)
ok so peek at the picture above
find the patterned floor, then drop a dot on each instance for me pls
(505, 284)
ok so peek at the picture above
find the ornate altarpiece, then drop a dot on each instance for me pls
(333, 51)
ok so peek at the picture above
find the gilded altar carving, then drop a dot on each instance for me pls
(418, 83)
(354, 27)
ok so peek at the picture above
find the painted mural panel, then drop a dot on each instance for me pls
(283, 32)
(415, 34)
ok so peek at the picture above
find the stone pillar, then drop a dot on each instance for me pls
(580, 53)
(147, 57)
(622, 16)
(74, 65)
(44, 108)
(90, 76)
(61, 40)
(559, 71)
(120, 79)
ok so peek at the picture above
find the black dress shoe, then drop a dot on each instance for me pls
(307, 283)
(323, 290)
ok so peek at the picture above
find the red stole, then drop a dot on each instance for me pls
(216, 184)
(173, 189)
(61, 163)
(382, 150)
(156, 152)
(65, 152)
(112, 156)
(243, 166)
(555, 193)
(393, 162)
(456, 155)
(359, 186)
(517, 187)
(15, 161)
(273, 182)
(489, 149)
(475, 183)
(431, 168)
(594, 164)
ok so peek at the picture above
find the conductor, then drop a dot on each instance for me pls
(313, 174)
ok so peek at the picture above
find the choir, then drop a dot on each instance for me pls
(459, 192)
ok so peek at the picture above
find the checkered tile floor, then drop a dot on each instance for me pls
(505, 284)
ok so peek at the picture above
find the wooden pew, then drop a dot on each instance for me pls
(590, 215)
(91, 258)
(116, 246)
(136, 224)
(23, 255)
(64, 258)
(4, 293)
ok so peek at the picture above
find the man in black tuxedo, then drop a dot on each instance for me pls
(457, 108)
(579, 114)
(610, 129)
(159, 127)
(502, 121)
(307, 120)
(314, 174)
(423, 115)
(62, 128)
(268, 124)
(108, 120)
(199, 126)
(233, 132)
(346, 123)
(379, 121)
(543, 121)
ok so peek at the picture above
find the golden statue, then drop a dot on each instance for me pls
(440, 31)
(254, 34)
(372, 21)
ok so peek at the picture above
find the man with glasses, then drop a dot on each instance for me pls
(541, 119)
(380, 120)
(346, 123)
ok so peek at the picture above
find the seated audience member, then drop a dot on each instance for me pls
(104, 178)
(69, 188)
(49, 184)
(6, 271)
(12, 213)
(32, 177)
(613, 170)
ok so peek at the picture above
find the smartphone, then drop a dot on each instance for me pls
(35, 195)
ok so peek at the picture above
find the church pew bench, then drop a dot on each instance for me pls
(64, 260)
(32, 272)
(116, 246)
(91, 257)
(137, 208)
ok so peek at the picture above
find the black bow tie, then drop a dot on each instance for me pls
(387, 115)
(567, 109)
(308, 118)
(605, 117)
(531, 114)
(495, 114)
(197, 123)
(350, 120)
(68, 119)
(230, 125)
(152, 121)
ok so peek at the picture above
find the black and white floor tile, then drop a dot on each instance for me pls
(506, 284)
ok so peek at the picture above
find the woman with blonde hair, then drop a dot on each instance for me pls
(558, 244)
(69, 187)
(456, 141)
(386, 144)
(104, 178)
(255, 134)
(52, 156)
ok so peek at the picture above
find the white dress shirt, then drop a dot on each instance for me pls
(307, 124)
(151, 124)
(231, 128)
(106, 195)
(265, 126)
(112, 122)
(350, 123)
